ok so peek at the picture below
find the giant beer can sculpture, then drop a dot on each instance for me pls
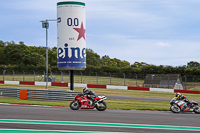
(71, 39)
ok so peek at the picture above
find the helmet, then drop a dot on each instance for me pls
(85, 89)
(178, 94)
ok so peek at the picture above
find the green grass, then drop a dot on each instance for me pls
(137, 105)
(195, 86)
(32, 102)
(111, 104)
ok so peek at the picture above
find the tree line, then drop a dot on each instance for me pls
(20, 57)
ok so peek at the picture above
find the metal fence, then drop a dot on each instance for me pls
(122, 79)
(36, 94)
(79, 77)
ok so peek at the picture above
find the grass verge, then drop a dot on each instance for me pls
(111, 104)
(117, 92)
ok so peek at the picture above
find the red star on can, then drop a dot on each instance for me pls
(81, 32)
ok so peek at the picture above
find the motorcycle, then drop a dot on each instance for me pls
(178, 106)
(81, 101)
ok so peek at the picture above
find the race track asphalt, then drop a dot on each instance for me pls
(140, 98)
(62, 114)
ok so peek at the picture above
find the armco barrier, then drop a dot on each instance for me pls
(38, 94)
(51, 95)
(9, 92)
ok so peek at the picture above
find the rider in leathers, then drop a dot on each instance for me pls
(182, 97)
(89, 94)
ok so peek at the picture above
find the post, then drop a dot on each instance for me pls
(23, 75)
(185, 82)
(152, 80)
(34, 75)
(44, 74)
(69, 75)
(72, 80)
(136, 79)
(81, 77)
(13, 75)
(3, 74)
(168, 80)
(61, 76)
(124, 78)
(47, 25)
(96, 77)
(51, 73)
(110, 77)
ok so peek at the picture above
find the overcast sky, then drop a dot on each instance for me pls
(158, 32)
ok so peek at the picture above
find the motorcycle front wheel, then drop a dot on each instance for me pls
(197, 109)
(74, 105)
(175, 109)
(101, 106)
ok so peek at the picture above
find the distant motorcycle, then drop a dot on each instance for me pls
(81, 101)
(178, 106)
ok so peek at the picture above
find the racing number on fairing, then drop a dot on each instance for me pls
(180, 103)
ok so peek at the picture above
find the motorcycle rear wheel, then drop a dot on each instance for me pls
(101, 106)
(197, 109)
(175, 109)
(74, 105)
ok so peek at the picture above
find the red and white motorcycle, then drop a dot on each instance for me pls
(178, 106)
(81, 101)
